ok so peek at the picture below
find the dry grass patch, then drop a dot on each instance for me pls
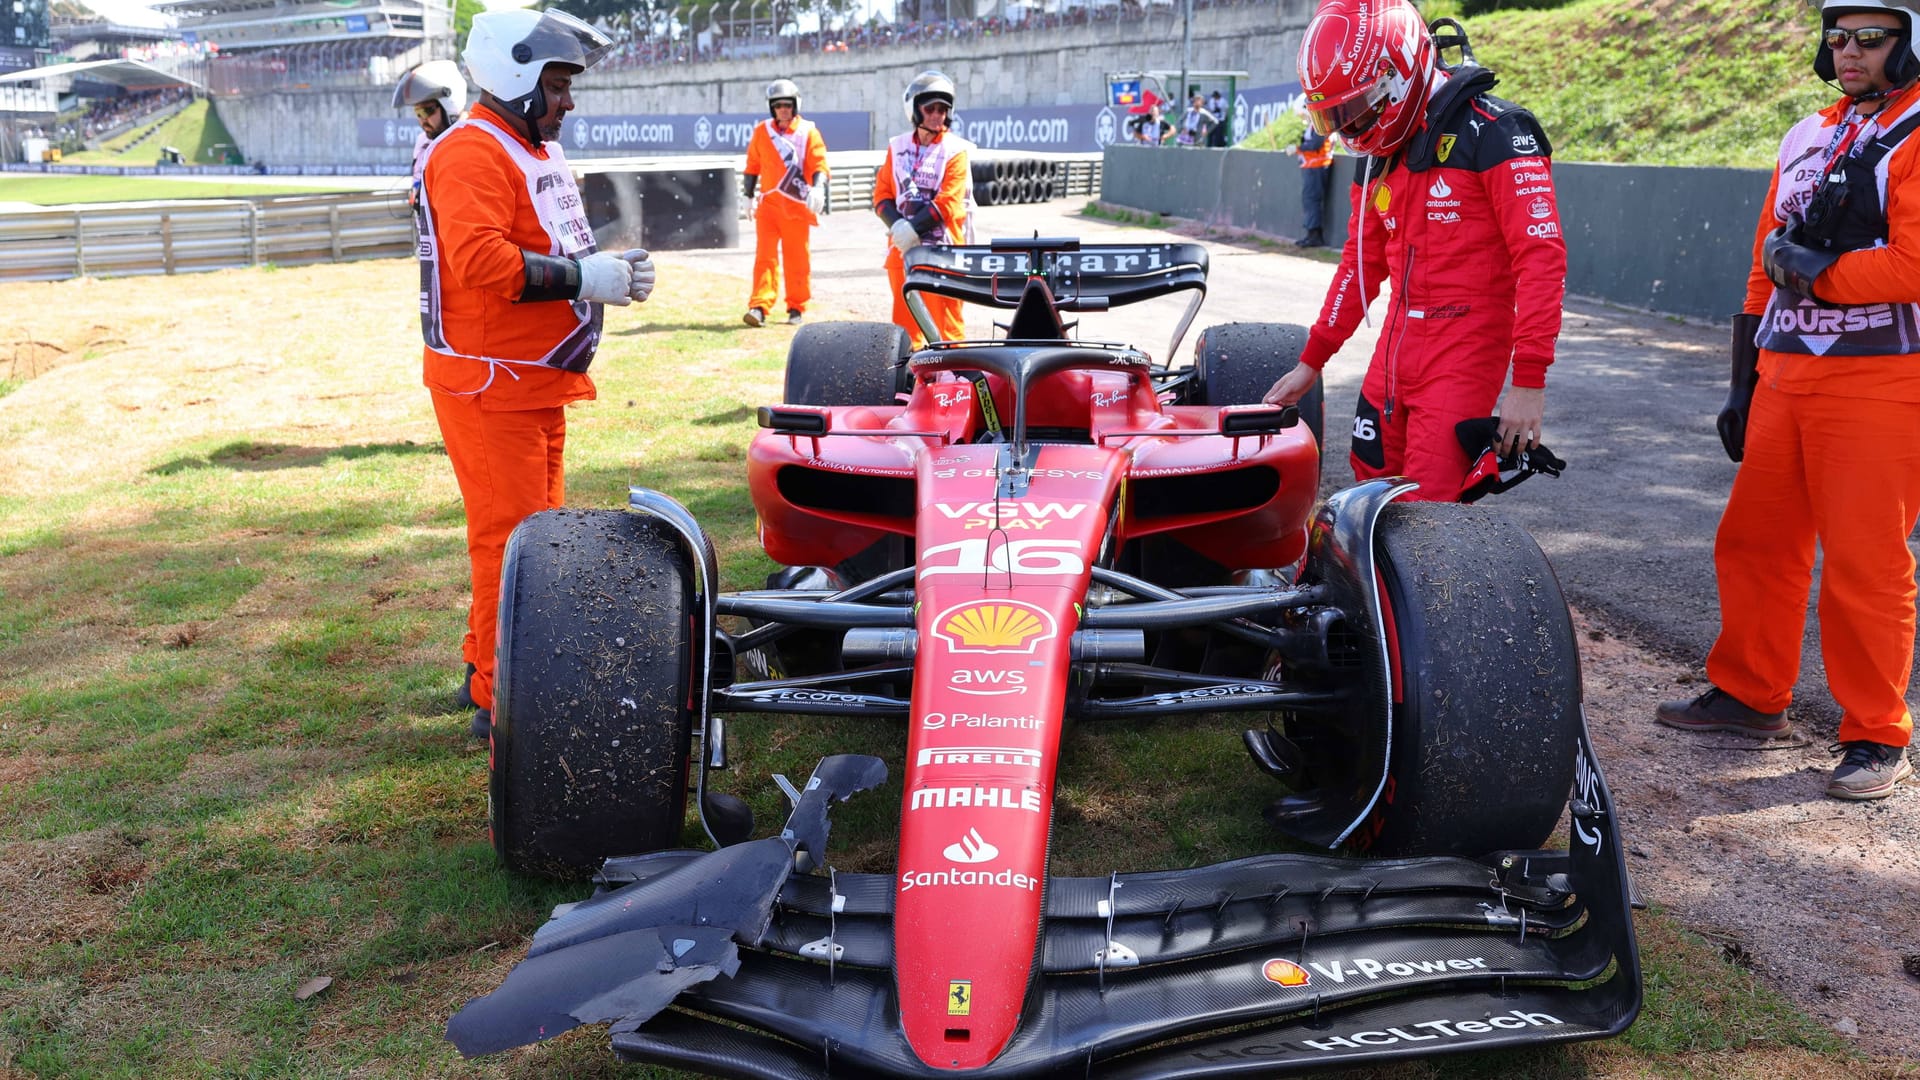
(68, 889)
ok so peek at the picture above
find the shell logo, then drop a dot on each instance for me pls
(1382, 198)
(993, 626)
(1285, 973)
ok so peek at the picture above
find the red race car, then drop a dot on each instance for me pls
(983, 540)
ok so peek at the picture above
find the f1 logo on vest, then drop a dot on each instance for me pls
(544, 181)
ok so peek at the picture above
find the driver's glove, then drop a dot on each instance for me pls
(905, 236)
(606, 278)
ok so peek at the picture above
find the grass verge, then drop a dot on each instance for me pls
(231, 579)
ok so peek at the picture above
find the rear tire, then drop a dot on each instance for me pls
(1488, 721)
(591, 725)
(847, 363)
(1237, 363)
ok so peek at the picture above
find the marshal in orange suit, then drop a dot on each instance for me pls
(511, 294)
(786, 177)
(924, 193)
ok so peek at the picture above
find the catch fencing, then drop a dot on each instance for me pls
(126, 239)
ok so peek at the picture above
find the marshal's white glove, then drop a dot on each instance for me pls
(758, 198)
(904, 235)
(641, 286)
(605, 278)
(817, 198)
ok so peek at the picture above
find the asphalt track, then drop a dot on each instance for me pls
(1630, 404)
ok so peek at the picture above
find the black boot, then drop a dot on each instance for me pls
(463, 698)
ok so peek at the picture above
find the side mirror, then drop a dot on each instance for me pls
(793, 419)
(1257, 419)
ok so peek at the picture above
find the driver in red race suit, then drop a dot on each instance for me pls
(1456, 206)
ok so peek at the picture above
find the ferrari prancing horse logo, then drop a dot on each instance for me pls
(960, 997)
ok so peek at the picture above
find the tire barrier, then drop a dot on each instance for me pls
(1003, 181)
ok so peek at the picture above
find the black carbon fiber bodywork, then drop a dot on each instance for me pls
(1262, 966)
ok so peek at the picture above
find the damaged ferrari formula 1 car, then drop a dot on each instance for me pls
(985, 540)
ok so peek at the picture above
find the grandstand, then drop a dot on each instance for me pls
(84, 31)
(268, 45)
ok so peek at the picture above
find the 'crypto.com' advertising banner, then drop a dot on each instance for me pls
(1258, 106)
(699, 133)
(1069, 129)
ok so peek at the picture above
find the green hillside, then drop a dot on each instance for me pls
(1650, 82)
(196, 131)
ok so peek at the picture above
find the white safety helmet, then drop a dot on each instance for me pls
(435, 80)
(783, 90)
(507, 50)
(927, 86)
(1903, 57)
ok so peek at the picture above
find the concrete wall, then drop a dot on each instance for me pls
(1062, 66)
(314, 127)
(1677, 240)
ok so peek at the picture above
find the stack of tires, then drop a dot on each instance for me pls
(1002, 181)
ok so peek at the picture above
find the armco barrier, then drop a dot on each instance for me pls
(666, 204)
(1667, 239)
(116, 240)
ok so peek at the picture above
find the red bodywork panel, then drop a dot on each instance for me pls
(822, 500)
(1000, 584)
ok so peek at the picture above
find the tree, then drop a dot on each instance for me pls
(463, 13)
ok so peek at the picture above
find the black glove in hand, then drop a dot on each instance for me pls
(1794, 266)
(1745, 373)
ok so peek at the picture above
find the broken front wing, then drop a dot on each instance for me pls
(732, 964)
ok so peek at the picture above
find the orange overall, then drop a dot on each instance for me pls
(505, 426)
(951, 204)
(1832, 459)
(781, 222)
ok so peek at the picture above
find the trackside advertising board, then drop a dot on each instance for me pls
(700, 133)
(1259, 106)
(1087, 128)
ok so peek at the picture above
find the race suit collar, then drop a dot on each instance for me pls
(1453, 95)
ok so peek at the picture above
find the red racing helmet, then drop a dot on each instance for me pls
(1367, 68)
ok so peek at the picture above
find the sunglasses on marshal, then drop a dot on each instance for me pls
(1869, 37)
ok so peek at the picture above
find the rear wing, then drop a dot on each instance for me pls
(1079, 277)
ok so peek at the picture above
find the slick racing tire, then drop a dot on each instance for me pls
(1488, 713)
(1237, 363)
(847, 363)
(591, 726)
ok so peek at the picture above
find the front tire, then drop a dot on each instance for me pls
(1237, 363)
(1488, 719)
(847, 363)
(591, 725)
